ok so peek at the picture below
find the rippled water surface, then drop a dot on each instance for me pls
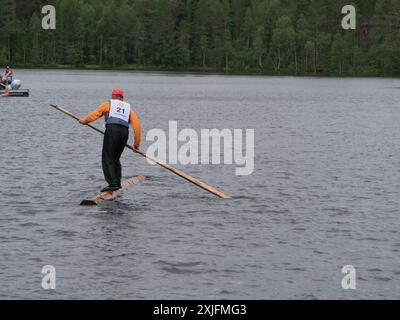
(324, 193)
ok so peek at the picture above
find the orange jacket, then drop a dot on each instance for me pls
(104, 109)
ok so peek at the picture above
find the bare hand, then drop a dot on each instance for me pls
(82, 122)
(136, 147)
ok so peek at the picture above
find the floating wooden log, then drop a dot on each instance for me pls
(112, 195)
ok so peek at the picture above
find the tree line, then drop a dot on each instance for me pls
(298, 37)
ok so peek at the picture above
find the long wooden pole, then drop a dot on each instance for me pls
(178, 172)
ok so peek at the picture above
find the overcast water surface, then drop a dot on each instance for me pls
(324, 192)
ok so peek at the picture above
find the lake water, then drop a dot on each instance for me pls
(324, 192)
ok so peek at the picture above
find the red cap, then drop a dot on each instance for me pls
(117, 92)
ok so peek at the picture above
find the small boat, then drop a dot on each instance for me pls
(112, 195)
(14, 89)
(15, 93)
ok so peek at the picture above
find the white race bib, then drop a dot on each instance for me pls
(120, 110)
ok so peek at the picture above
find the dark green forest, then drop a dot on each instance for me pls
(302, 37)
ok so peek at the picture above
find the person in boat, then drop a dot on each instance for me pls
(7, 75)
(118, 116)
(15, 85)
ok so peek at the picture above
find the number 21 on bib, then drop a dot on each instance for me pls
(120, 109)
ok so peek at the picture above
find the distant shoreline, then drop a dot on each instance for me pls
(200, 71)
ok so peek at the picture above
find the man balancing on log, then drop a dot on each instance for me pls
(118, 116)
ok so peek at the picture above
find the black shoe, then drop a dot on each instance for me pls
(110, 188)
(105, 189)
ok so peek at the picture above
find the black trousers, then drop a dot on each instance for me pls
(115, 139)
